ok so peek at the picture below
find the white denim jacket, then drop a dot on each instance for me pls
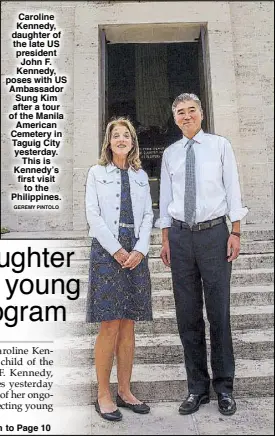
(103, 196)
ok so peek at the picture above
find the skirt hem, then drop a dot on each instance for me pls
(88, 321)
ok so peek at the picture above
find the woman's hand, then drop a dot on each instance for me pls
(121, 256)
(134, 259)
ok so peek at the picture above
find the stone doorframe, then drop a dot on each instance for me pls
(123, 20)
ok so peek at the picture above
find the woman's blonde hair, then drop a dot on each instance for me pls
(106, 157)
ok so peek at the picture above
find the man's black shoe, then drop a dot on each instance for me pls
(142, 408)
(116, 415)
(192, 403)
(227, 404)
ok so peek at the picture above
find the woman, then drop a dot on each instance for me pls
(120, 216)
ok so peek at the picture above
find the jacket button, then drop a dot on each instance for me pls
(104, 181)
(117, 208)
(115, 222)
(118, 183)
(117, 195)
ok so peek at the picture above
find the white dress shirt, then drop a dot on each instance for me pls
(103, 199)
(217, 181)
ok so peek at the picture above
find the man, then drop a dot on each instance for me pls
(199, 188)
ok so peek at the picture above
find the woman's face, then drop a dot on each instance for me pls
(121, 141)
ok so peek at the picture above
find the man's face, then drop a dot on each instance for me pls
(188, 118)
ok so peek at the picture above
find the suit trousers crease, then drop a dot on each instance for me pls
(200, 271)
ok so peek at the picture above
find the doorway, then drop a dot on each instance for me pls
(141, 81)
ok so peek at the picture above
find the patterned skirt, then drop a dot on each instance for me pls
(116, 293)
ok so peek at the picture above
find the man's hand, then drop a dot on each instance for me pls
(233, 247)
(135, 257)
(165, 253)
(121, 256)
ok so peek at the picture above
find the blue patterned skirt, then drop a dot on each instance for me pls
(116, 293)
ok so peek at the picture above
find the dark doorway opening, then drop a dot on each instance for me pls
(141, 82)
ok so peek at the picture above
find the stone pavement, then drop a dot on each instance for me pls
(254, 416)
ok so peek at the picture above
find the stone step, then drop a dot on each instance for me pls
(240, 296)
(245, 261)
(239, 278)
(166, 382)
(163, 299)
(164, 349)
(160, 281)
(76, 238)
(247, 247)
(242, 317)
(249, 233)
(82, 251)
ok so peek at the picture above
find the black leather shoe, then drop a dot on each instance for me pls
(137, 408)
(110, 416)
(227, 404)
(192, 403)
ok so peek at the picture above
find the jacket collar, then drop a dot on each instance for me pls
(111, 167)
(198, 137)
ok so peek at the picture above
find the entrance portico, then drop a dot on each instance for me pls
(233, 78)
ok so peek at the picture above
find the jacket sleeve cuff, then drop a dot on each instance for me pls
(112, 246)
(141, 248)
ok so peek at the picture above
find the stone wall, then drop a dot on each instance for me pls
(253, 44)
(239, 52)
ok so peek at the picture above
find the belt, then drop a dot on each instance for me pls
(130, 226)
(200, 226)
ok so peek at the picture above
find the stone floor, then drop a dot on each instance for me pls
(254, 416)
